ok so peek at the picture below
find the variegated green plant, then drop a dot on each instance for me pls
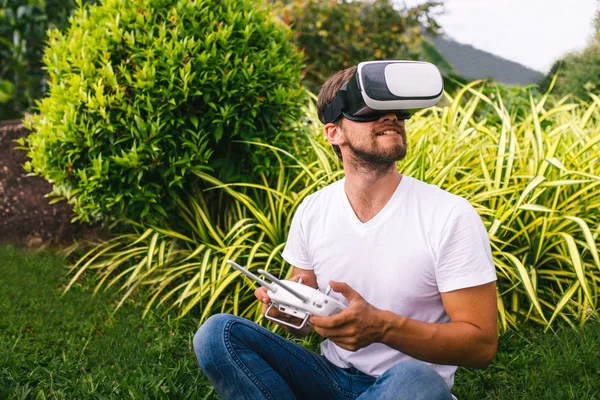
(533, 175)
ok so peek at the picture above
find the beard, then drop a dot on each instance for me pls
(379, 159)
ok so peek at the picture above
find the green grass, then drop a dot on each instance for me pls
(73, 347)
(537, 365)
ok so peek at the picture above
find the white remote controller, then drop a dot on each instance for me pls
(294, 298)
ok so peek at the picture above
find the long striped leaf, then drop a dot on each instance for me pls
(577, 265)
(589, 238)
(528, 286)
(563, 301)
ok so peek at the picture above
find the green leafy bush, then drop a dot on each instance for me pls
(144, 92)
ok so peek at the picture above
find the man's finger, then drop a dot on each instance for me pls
(306, 280)
(345, 289)
(333, 321)
(261, 294)
(303, 276)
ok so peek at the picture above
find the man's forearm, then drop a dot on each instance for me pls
(452, 343)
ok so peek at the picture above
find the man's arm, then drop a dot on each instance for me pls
(469, 339)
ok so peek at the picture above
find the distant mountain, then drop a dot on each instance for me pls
(473, 63)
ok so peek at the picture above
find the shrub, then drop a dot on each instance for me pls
(144, 92)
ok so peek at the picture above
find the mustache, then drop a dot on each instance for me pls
(391, 125)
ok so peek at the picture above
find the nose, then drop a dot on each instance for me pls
(389, 117)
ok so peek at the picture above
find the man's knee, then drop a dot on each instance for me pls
(209, 340)
(418, 378)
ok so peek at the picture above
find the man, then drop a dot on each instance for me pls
(411, 261)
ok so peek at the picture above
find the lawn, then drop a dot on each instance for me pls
(72, 346)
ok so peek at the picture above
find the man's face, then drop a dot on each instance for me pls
(376, 144)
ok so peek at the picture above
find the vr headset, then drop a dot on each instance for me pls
(382, 87)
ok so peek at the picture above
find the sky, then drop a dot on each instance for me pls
(534, 33)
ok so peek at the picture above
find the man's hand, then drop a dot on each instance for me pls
(358, 326)
(262, 296)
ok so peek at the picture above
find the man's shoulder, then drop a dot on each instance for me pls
(321, 196)
(434, 197)
(433, 192)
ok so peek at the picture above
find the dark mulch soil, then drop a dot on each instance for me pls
(26, 217)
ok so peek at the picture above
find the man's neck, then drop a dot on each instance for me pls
(369, 191)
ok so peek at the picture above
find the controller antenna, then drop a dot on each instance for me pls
(304, 299)
(250, 275)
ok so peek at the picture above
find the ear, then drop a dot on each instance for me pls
(334, 134)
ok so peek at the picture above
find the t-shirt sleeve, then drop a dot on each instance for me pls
(295, 251)
(465, 256)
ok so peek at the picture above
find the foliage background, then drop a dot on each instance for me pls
(320, 26)
(578, 72)
(23, 26)
(525, 158)
(339, 34)
(531, 173)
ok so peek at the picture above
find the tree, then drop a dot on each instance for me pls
(578, 72)
(338, 34)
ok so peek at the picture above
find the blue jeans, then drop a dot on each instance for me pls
(245, 361)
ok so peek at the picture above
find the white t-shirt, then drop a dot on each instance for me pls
(423, 242)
